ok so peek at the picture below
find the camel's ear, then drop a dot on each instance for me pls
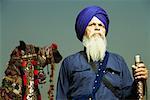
(22, 45)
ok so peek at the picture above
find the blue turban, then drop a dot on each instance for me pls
(85, 16)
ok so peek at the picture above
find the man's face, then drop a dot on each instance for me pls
(95, 26)
(94, 40)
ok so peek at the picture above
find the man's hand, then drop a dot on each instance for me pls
(140, 71)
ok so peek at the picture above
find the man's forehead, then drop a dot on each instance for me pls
(95, 19)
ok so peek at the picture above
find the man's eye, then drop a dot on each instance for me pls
(92, 24)
(100, 25)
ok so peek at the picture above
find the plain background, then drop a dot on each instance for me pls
(42, 22)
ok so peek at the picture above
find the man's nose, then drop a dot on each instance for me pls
(97, 27)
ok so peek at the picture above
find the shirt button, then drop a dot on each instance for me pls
(100, 63)
(104, 71)
(99, 69)
(90, 98)
(97, 75)
(95, 81)
(93, 87)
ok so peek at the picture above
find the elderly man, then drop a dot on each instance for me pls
(95, 73)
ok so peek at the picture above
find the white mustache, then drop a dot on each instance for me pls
(97, 34)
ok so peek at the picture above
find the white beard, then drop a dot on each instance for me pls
(95, 47)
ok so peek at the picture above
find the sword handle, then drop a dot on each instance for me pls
(140, 85)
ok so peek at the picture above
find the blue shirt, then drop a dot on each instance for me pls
(76, 78)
